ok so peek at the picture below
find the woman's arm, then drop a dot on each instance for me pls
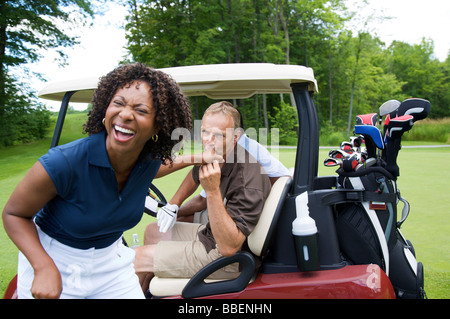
(186, 160)
(32, 193)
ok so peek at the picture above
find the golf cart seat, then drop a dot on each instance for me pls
(258, 242)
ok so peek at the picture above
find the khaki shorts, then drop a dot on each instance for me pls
(185, 255)
(201, 217)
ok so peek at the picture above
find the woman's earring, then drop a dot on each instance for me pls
(155, 138)
(103, 121)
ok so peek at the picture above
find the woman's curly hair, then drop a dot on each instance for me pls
(172, 107)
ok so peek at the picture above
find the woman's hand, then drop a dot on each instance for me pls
(47, 283)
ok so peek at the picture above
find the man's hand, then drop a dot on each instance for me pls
(167, 216)
(227, 235)
(209, 175)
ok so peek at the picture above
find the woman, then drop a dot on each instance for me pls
(88, 192)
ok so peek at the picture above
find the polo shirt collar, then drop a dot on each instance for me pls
(97, 154)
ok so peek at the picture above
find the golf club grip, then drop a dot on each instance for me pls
(393, 146)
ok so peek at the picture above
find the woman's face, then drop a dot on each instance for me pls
(130, 119)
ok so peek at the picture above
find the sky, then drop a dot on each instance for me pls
(102, 45)
(411, 20)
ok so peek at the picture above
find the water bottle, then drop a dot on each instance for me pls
(135, 242)
(304, 231)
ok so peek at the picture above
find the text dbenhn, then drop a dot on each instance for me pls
(227, 308)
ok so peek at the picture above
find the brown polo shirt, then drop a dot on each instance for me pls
(244, 186)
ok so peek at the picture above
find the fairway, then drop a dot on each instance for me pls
(424, 181)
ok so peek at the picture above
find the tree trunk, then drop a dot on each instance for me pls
(355, 72)
(3, 26)
(266, 119)
(284, 24)
(330, 85)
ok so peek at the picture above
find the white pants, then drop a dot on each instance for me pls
(106, 273)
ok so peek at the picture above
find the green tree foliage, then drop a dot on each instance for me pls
(356, 72)
(28, 27)
(23, 120)
(285, 118)
(422, 74)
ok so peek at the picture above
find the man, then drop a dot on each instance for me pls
(235, 189)
(195, 209)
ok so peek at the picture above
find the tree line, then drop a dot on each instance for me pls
(355, 70)
(28, 28)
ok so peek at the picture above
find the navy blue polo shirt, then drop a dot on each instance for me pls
(89, 211)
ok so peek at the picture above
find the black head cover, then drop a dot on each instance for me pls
(398, 125)
(418, 108)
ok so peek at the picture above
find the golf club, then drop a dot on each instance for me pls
(418, 108)
(356, 142)
(387, 108)
(372, 138)
(350, 163)
(347, 147)
(394, 132)
(338, 154)
(367, 119)
(330, 162)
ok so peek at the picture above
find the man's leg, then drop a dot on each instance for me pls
(143, 262)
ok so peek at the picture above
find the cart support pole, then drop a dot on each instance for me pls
(61, 117)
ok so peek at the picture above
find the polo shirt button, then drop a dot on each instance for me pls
(120, 198)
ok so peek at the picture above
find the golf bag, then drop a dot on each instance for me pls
(368, 230)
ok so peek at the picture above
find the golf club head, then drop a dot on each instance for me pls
(398, 125)
(367, 119)
(372, 132)
(338, 154)
(418, 108)
(388, 107)
(330, 162)
(347, 147)
(357, 141)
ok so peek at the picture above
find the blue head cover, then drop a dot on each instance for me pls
(370, 131)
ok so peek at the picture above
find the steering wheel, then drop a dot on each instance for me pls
(154, 200)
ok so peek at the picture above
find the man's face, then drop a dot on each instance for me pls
(218, 134)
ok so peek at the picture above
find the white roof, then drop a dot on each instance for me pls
(216, 81)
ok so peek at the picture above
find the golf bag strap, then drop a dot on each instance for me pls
(366, 171)
(356, 182)
(339, 196)
(405, 210)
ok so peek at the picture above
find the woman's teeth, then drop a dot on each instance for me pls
(123, 130)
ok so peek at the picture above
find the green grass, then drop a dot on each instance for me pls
(425, 131)
(430, 130)
(424, 181)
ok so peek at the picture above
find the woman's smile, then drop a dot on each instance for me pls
(130, 119)
(123, 134)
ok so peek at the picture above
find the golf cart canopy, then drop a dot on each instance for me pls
(216, 81)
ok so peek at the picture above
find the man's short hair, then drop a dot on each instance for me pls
(226, 108)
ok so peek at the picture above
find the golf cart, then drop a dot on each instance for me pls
(296, 262)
